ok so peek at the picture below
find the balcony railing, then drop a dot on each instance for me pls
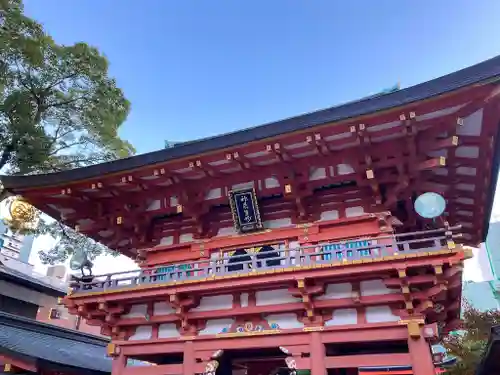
(324, 253)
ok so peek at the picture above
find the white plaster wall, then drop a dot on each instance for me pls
(154, 205)
(210, 303)
(316, 173)
(374, 288)
(228, 231)
(343, 317)
(214, 194)
(278, 223)
(284, 321)
(165, 241)
(186, 237)
(162, 308)
(380, 314)
(354, 211)
(274, 297)
(329, 215)
(244, 299)
(142, 333)
(168, 330)
(215, 326)
(271, 182)
(335, 291)
(137, 311)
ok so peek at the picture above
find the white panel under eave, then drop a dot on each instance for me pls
(142, 333)
(380, 314)
(284, 321)
(274, 297)
(271, 182)
(228, 231)
(466, 171)
(472, 125)
(244, 299)
(174, 201)
(137, 311)
(466, 187)
(186, 237)
(243, 185)
(316, 173)
(211, 303)
(471, 152)
(329, 215)
(374, 288)
(165, 241)
(335, 291)
(168, 330)
(343, 317)
(354, 211)
(343, 169)
(214, 194)
(216, 326)
(154, 205)
(278, 223)
(163, 308)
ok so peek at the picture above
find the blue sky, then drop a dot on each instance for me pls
(198, 68)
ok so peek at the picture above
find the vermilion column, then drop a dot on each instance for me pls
(421, 356)
(118, 364)
(318, 354)
(188, 364)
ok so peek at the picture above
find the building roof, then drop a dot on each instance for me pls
(30, 282)
(48, 343)
(483, 72)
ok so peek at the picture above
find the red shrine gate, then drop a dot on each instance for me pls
(291, 246)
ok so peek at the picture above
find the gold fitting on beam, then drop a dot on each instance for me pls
(229, 156)
(460, 121)
(361, 127)
(309, 139)
(369, 174)
(317, 136)
(401, 273)
(198, 163)
(352, 129)
(405, 289)
(438, 270)
(402, 117)
(300, 283)
(310, 313)
(191, 164)
(451, 245)
(179, 208)
(119, 220)
(413, 115)
(269, 148)
(236, 154)
(409, 305)
(288, 188)
(454, 140)
(7, 367)
(111, 350)
(414, 330)
(277, 146)
(442, 161)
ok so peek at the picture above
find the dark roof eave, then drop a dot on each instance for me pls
(479, 73)
(31, 283)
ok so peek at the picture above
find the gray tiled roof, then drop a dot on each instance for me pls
(484, 71)
(29, 281)
(53, 344)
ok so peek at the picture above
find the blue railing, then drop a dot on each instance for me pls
(327, 253)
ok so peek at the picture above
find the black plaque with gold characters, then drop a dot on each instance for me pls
(245, 210)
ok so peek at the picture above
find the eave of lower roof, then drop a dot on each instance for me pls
(483, 72)
(30, 282)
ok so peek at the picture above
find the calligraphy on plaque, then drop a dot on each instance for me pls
(245, 210)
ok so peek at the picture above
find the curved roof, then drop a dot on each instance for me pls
(480, 73)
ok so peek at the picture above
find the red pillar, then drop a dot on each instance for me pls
(188, 364)
(118, 364)
(318, 354)
(421, 356)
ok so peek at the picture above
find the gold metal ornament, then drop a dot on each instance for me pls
(22, 212)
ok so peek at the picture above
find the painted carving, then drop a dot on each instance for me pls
(211, 367)
(253, 327)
